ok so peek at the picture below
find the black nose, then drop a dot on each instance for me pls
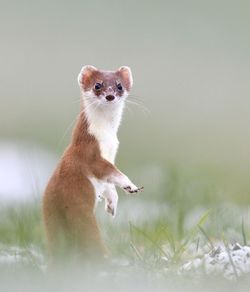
(110, 97)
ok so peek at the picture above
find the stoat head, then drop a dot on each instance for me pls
(105, 88)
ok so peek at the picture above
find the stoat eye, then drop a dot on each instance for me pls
(119, 86)
(98, 86)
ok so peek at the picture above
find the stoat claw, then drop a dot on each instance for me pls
(131, 190)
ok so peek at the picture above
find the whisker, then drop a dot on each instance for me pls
(136, 97)
(76, 101)
(139, 101)
(66, 132)
(96, 107)
(85, 108)
(89, 105)
(129, 109)
(144, 109)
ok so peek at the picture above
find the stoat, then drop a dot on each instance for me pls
(86, 170)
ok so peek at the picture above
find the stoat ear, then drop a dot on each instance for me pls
(85, 75)
(126, 75)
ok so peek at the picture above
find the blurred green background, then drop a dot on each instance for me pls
(188, 142)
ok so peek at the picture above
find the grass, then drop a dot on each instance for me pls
(153, 235)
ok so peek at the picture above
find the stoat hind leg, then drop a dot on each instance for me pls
(84, 232)
(54, 229)
(82, 226)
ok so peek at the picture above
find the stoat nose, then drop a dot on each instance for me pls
(110, 97)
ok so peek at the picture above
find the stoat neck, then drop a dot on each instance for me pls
(105, 118)
(80, 132)
(92, 120)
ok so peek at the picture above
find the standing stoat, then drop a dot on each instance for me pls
(87, 171)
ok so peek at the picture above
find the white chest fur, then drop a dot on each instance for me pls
(103, 125)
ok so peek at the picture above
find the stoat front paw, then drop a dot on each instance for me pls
(131, 189)
(111, 206)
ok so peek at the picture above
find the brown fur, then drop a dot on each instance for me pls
(69, 200)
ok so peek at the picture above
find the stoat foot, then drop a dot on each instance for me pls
(133, 189)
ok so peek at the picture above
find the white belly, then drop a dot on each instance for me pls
(108, 147)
